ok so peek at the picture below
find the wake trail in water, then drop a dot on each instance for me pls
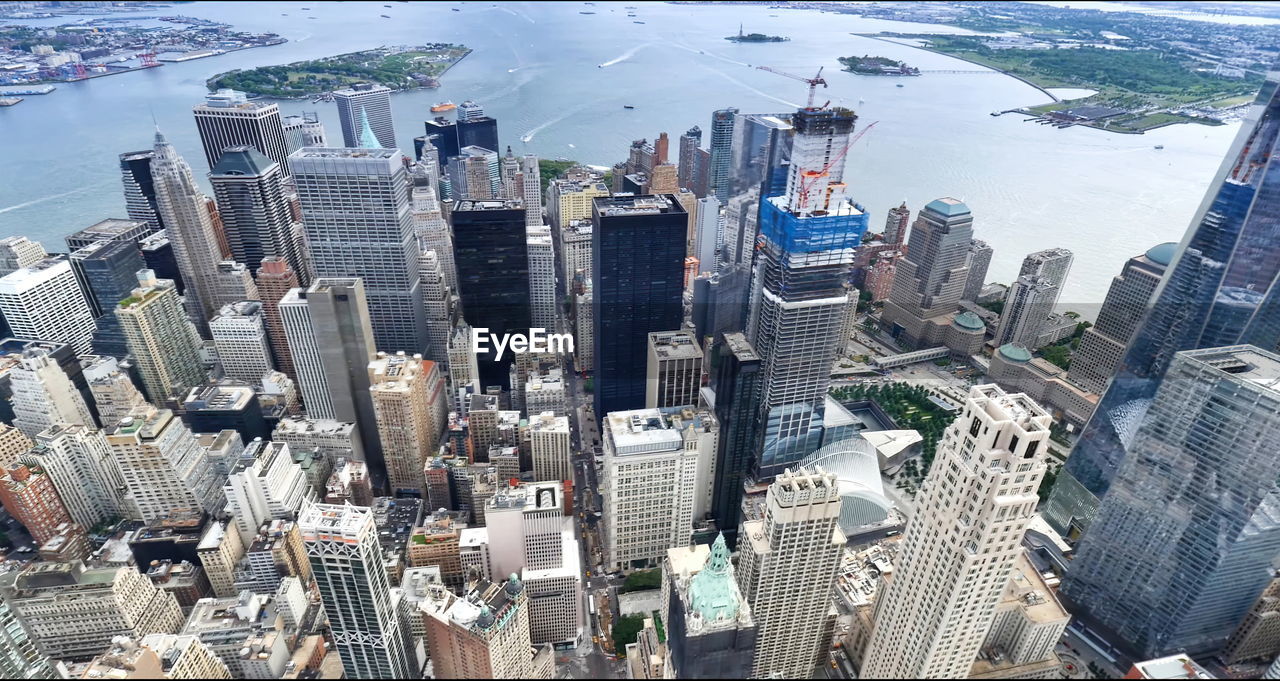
(743, 85)
(518, 15)
(528, 136)
(625, 56)
(710, 54)
(32, 202)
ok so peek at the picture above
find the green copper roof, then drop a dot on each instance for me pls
(970, 321)
(1162, 254)
(368, 140)
(713, 592)
(1015, 353)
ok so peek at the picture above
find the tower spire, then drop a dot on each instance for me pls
(368, 140)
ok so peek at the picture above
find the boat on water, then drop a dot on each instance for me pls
(599, 66)
(455, 9)
(627, 106)
(1159, 146)
(586, 12)
(526, 138)
(637, 22)
(900, 85)
(443, 107)
(995, 113)
(384, 16)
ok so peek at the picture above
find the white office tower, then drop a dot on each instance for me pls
(464, 368)
(546, 391)
(233, 283)
(228, 118)
(346, 561)
(673, 374)
(433, 231)
(584, 358)
(542, 277)
(266, 484)
(303, 131)
(530, 183)
(17, 252)
(549, 444)
(575, 250)
(163, 465)
(331, 342)
(786, 566)
(241, 339)
(185, 212)
(648, 487)
(160, 338)
(365, 104)
(510, 181)
(708, 237)
(436, 304)
(1028, 305)
(74, 611)
(963, 541)
(43, 396)
(79, 462)
(375, 243)
(114, 394)
(531, 534)
(45, 301)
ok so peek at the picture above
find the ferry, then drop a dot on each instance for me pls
(627, 106)
(637, 22)
(900, 85)
(443, 107)
(384, 16)
(1159, 146)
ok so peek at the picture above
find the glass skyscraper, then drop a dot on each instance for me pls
(808, 236)
(1220, 289)
(1183, 542)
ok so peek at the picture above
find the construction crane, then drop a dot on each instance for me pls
(148, 58)
(813, 82)
(808, 177)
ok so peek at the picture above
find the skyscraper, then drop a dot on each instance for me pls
(809, 235)
(721, 147)
(1052, 263)
(491, 253)
(442, 133)
(331, 342)
(80, 464)
(346, 560)
(979, 261)
(673, 375)
(787, 564)
(163, 465)
(43, 395)
(275, 279)
(484, 634)
(17, 252)
(637, 284)
(963, 541)
(543, 300)
(44, 301)
(303, 131)
(476, 129)
(1182, 543)
(708, 237)
(688, 166)
(549, 447)
(229, 119)
(265, 484)
(139, 189)
(1220, 289)
(410, 404)
(189, 224)
(737, 390)
(376, 244)
(108, 272)
(163, 343)
(1026, 308)
(256, 216)
(240, 335)
(708, 622)
(1128, 299)
(930, 281)
(374, 102)
(30, 497)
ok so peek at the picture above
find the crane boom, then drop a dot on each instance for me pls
(810, 176)
(813, 82)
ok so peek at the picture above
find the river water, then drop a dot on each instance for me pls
(536, 69)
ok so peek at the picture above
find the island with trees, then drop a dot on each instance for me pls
(877, 66)
(755, 38)
(399, 68)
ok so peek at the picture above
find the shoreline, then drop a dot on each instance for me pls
(1051, 96)
(308, 96)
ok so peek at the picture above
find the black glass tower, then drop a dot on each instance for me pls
(737, 388)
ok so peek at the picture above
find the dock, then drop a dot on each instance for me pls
(26, 90)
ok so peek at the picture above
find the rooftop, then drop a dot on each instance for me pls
(646, 204)
(242, 160)
(342, 152)
(1246, 363)
(947, 206)
(641, 431)
(1162, 254)
(675, 345)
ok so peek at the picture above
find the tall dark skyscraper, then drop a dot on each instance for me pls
(108, 273)
(375, 103)
(759, 160)
(737, 388)
(443, 134)
(1220, 289)
(229, 119)
(256, 216)
(480, 132)
(139, 189)
(637, 280)
(721, 143)
(1182, 543)
(492, 257)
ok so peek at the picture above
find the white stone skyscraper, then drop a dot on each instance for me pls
(160, 338)
(542, 277)
(963, 541)
(549, 444)
(79, 461)
(1029, 303)
(375, 242)
(44, 396)
(787, 564)
(346, 561)
(529, 182)
(163, 465)
(184, 209)
(266, 484)
(436, 303)
(240, 335)
(45, 301)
